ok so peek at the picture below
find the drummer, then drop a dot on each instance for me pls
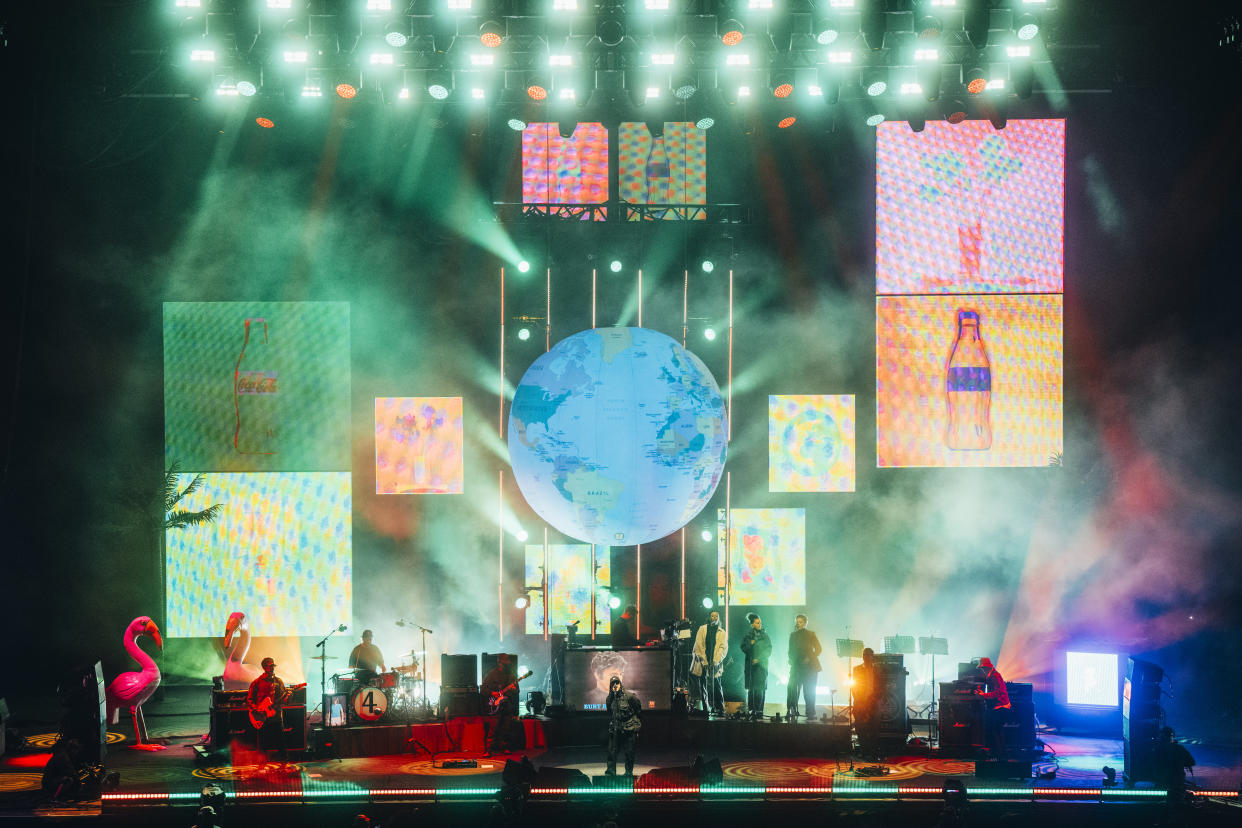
(366, 659)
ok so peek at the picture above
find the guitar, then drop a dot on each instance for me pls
(264, 710)
(498, 697)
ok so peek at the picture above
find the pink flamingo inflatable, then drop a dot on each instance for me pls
(133, 689)
(237, 673)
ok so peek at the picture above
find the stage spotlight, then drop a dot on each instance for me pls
(266, 123)
(537, 92)
(348, 90)
(875, 119)
(439, 84)
(731, 32)
(517, 124)
(614, 602)
(536, 702)
(875, 82)
(954, 111)
(523, 334)
(709, 334)
(246, 88)
(706, 122)
(929, 27)
(1110, 777)
(706, 534)
(615, 266)
(954, 792)
(610, 31)
(394, 33)
(976, 81)
(1028, 27)
(523, 266)
(522, 602)
(786, 123)
(782, 84)
(708, 603)
(684, 86)
(708, 265)
(491, 33)
(826, 31)
(521, 535)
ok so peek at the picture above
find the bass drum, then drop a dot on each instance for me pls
(369, 704)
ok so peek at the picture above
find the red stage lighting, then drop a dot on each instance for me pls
(786, 122)
(536, 92)
(783, 91)
(346, 90)
(266, 123)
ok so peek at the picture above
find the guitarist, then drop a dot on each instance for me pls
(264, 698)
(501, 679)
(710, 646)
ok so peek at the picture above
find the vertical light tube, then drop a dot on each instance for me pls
(592, 298)
(729, 430)
(728, 567)
(547, 313)
(500, 501)
(546, 620)
(640, 297)
(638, 590)
(685, 307)
(594, 587)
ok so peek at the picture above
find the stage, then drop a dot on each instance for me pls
(783, 765)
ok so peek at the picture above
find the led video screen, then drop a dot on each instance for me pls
(646, 673)
(767, 555)
(573, 576)
(256, 386)
(668, 169)
(418, 445)
(1091, 679)
(558, 170)
(279, 552)
(968, 380)
(967, 208)
(811, 443)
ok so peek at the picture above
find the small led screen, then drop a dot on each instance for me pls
(767, 555)
(558, 170)
(811, 443)
(418, 445)
(667, 169)
(573, 576)
(1091, 679)
(646, 673)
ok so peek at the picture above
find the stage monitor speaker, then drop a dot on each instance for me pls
(1003, 769)
(1139, 740)
(1143, 672)
(81, 692)
(459, 670)
(549, 777)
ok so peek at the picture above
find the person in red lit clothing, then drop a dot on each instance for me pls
(267, 693)
(997, 694)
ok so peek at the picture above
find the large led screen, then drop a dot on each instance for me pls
(573, 577)
(256, 386)
(558, 170)
(968, 380)
(811, 443)
(667, 169)
(646, 673)
(1091, 679)
(766, 555)
(418, 445)
(967, 208)
(279, 552)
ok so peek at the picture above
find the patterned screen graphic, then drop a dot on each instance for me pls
(418, 445)
(256, 386)
(571, 583)
(670, 169)
(968, 380)
(811, 443)
(280, 552)
(966, 208)
(1091, 679)
(767, 555)
(558, 170)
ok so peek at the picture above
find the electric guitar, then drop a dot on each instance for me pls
(498, 697)
(264, 710)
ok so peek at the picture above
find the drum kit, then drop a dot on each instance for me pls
(378, 697)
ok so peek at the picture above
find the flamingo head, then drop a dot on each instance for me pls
(237, 621)
(142, 625)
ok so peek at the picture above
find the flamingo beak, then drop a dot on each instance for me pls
(154, 632)
(230, 628)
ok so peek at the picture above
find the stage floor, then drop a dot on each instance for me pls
(178, 774)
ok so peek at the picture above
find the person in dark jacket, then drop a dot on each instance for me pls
(757, 646)
(623, 726)
(625, 631)
(804, 668)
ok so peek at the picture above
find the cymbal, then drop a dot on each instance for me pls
(411, 654)
(407, 669)
(323, 658)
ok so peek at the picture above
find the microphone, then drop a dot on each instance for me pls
(342, 628)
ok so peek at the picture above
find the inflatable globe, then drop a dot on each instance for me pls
(617, 436)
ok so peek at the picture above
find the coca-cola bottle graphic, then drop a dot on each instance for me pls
(968, 388)
(254, 394)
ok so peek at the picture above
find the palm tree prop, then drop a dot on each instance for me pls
(175, 518)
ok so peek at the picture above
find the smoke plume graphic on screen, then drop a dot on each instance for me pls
(767, 556)
(418, 445)
(966, 208)
(811, 443)
(1015, 382)
(257, 386)
(280, 552)
(558, 170)
(573, 575)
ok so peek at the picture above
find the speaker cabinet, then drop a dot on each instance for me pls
(82, 694)
(460, 701)
(890, 688)
(459, 670)
(961, 726)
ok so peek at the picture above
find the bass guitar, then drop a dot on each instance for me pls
(498, 697)
(264, 710)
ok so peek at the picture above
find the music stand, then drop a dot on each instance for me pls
(850, 649)
(899, 644)
(933, 646)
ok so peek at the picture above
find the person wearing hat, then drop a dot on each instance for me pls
(501, 677)
(366, 659)
(997, 694)
(758, 648)
(623, 725)
(266, 694)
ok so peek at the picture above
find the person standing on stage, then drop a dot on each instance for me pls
(757, 646)
(997, 693)
(862, 687)
(501, 679)
(367, 659)
(268, 693)
(625, 631)
(710, 646)
(804, 668)
(623, 726)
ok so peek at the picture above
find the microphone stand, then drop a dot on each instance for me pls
(425, 631)
(323, 672)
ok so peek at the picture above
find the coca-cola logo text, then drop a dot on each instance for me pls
(256, 382)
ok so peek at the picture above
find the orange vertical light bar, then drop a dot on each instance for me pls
(500, 498)
(547, 313)
(685, 307)
(728, 546)
(640, 297)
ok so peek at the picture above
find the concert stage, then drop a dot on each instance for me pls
(766, 769)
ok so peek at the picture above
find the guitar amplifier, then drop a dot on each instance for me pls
(461, 701)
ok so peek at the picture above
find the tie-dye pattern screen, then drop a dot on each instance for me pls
(418, 445)
(558, 170)
(573, 575)
(811, 443)
(280, 552)
(767, 555)
(667, 169)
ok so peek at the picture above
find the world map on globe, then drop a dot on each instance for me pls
(617, 436)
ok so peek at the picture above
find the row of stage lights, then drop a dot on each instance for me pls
(631, 59)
